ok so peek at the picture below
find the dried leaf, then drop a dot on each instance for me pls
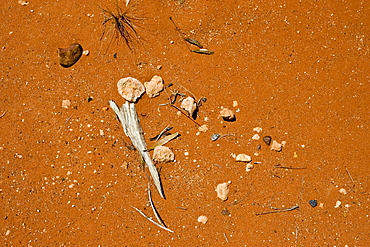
(164, 140)
(194, 42)
(203, 51)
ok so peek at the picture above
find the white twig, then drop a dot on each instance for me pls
(131, 125)
(157, 224)
(153, 207)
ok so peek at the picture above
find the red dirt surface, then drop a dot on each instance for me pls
(297, 69)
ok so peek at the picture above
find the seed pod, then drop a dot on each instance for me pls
(194, 42)
(203, 51)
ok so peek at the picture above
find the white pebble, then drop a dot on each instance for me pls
(202, 219)
(66, 103)
(256, 137)
(154, 86)
(337, 204)
(130, 88)
(243, 158)
(275, 146)
(163, 154)
(223, 190)
(248, 167)
(343, 191)
(257, 129)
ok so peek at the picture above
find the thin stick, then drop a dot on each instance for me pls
(279, 210)
(153, 207)
(2, 115)
(185, 114)
(182, 36)
(155, 223)
(289, 167)
(236, 202)
(350, 175)
(302, 189)
(226, 237)
(187, 90)
(296, 233)
(160, 134)
(63, 125)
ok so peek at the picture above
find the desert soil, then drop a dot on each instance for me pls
(297, 69)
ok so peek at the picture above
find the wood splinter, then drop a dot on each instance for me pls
(131, 125)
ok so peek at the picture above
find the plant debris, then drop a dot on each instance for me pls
(164, 132)
(203, 51)
(130, 122)
(123, 23)
(279, 210)
(194, 42)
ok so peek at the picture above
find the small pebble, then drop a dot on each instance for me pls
(313, 203)
(163, 154)
(257, 129)
(86, 52)
(215, 137)
(255, 137)
(227, 115)
(343, 191)
(154, 86)
(203, 128)
(202, 219)
(225, 212)
(223, 190)
(337, 204)
(275, 146)
(23, 3)
(66, 103)
(130, 88)
(267, 140)
(248, 167)
(243, 158)
(189, 105)
(70, 55)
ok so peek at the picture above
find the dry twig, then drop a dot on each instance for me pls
(151, 220)
(236, 202)
(288, 167)
(279, 210)
(3, 114)
(350, 176)
(153, 207)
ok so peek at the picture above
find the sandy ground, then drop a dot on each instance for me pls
(297, 69)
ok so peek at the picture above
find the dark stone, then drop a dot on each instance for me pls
(313, 203)
(225, 212)
(70, 55)
(267, 140)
